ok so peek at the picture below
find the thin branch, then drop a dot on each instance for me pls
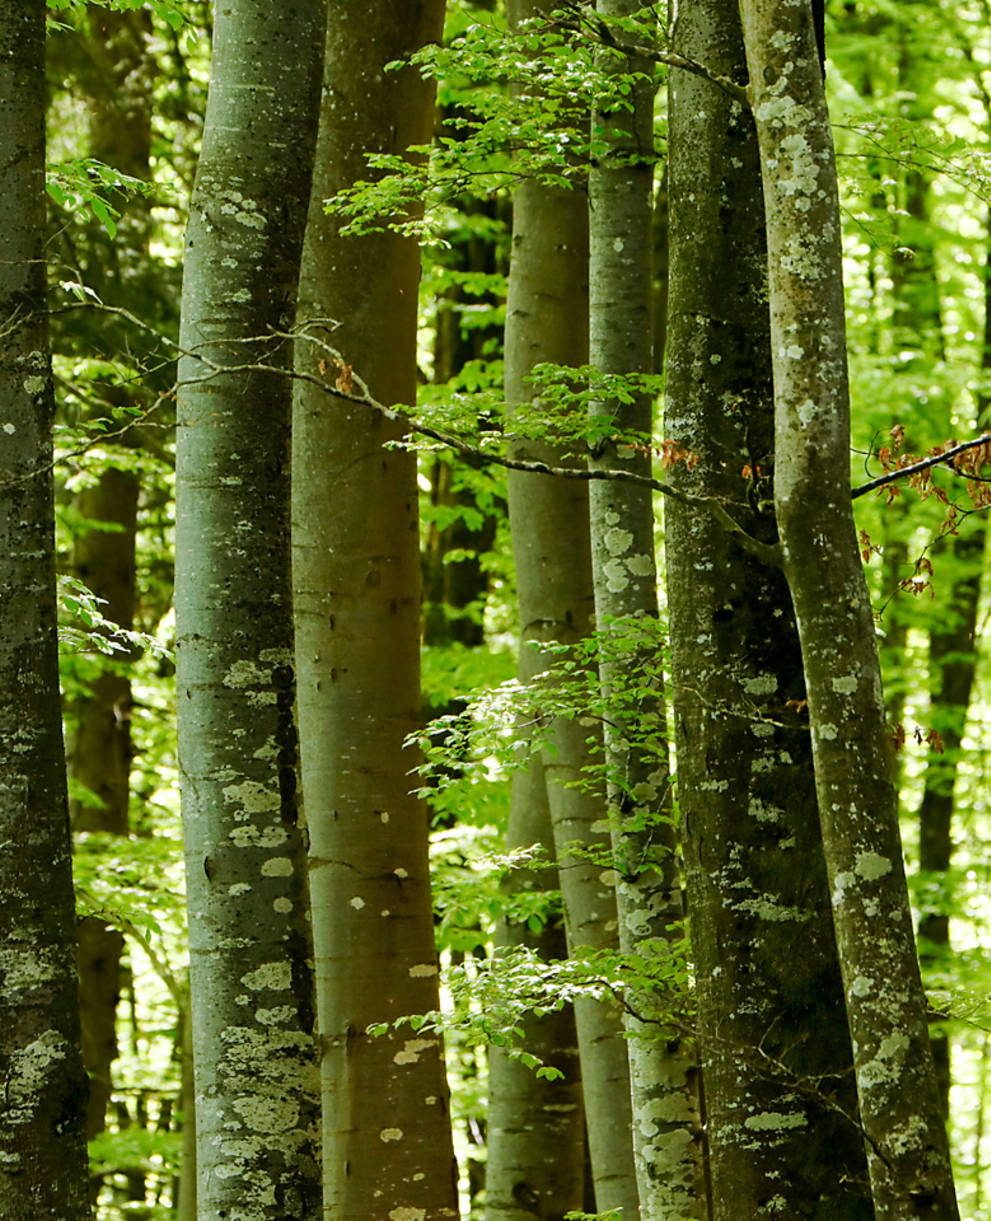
(906, 472)
(585, 15)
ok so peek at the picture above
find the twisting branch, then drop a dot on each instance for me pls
(585, 17)
(906, 472)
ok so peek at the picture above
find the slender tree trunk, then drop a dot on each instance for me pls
(622, 526)
(387, 1136)
(536, 1133)
(547, 320)
(257, 1104)
(899, 1099)
(770, 1022)
(43, 1173)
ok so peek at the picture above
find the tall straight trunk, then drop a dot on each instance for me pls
(43, 1173)
(648, 891)
(886, 1009)
(547, 320)
(387, 1138)
(257, 1100)
(768, 1019)
(535, 1132)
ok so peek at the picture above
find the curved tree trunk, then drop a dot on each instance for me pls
(387, 1137)
(257, 1104)
(768, 1019)
(886, 1008)
(43, 1172)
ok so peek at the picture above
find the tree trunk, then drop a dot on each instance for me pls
(648, 894)
(546, 320)
(257, 1104)
(387, 1136)
(886, 1008)
(43, 1172)
(770, 1022)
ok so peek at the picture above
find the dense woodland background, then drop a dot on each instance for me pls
(909, 91)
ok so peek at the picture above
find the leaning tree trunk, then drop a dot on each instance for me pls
(43, 1172)
(387, 1140)
(886, 1007)
(768, 1019)
(649, 902)
(257, 1103)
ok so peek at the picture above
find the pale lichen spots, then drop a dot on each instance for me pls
(279, 1015)
(388, 1135)
(401, 873)
(761, 684)
(806, 412)
(430, 1100)
(270, 976)
(886, 1067)
(769, 910)
(9, 429)
(406, 1212)
(617, 541)
(277, 867)
(828, 733)
(861, 986)
(269, 1115)
(357, 902)
(238, 888)
(282, 905)
(34, 385)
(412, 1049)
(846, 684)
(258, 837)
(840, 884)
(612, 517)
(384, 816)
(763, 812)
(252, 797)
(618, 246)
(871, 866)
(775, 1121)
(422, 970)
(640, 565)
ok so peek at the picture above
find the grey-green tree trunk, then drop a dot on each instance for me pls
(43, 1172)
(387, 1138)
(886, 1009)
(257, 1093)
(535, 1132)
(546, 320)
(770, 1022)
(648, 892)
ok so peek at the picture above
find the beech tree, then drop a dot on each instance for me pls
(257, 1099)
(899, 1099)
(43, 1173)
(387, 1149)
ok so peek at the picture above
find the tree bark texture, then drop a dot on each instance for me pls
(43, 1171)
(257, 1104)
(649, 901)
(781, 1107)
(899, 1100)
(387, 1138)
(547, 320)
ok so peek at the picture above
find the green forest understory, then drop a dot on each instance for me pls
(492, 688)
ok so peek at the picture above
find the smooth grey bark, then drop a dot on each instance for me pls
(546, 320)
(387, 1144)
(780, 1100)
(648, 894)
(43, 1171)
(535, 1132)
(886, 1008)
(257, 1099)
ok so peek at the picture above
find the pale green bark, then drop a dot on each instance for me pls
(546, 320)
(387, 1139)
(768, 1019)
(535, 1132)
(625, 577)
(899, 1100)
(257, 1102)
(43, 1173)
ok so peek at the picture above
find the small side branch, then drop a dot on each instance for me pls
(925, 464)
